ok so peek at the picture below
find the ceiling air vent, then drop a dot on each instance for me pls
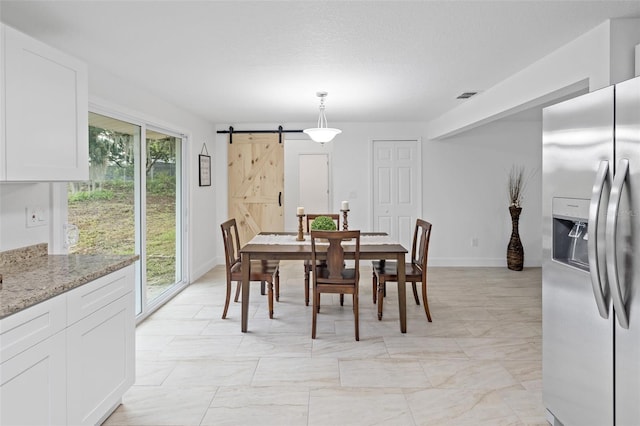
(466, 95)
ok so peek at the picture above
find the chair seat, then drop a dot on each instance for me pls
(347, 274)
(259, 271)
(390, 270)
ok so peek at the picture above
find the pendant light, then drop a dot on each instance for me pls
(322, 133)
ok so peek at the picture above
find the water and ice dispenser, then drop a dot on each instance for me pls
(571, 232)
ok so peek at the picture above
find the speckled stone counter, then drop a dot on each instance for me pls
(31, 276)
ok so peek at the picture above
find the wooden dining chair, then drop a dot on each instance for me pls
(333, 276)
(307, 263)
(416, 271)
(260, 270)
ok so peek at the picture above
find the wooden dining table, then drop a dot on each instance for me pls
(284, 246)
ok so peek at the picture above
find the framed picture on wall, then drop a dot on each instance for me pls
(205, 170)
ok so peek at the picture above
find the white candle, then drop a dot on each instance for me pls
(345, 205)
(300, 211)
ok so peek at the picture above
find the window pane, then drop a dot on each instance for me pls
(103, 208)
(162, 217)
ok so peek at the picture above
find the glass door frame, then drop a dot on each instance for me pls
(60, 201)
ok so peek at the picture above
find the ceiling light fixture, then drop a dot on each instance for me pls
(322, 133)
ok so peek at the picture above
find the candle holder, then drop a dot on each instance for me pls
(300, 236)
(345, 224)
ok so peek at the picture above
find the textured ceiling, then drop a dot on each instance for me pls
(262, 61)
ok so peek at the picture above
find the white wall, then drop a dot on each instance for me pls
(14, 198)
(602, 56)
(464, 185)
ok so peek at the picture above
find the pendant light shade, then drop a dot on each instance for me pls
(322, 133)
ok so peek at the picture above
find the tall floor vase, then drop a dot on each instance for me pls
(515, 251)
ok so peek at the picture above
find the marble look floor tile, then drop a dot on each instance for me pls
(527, 372)
(175, 311)
(477, 363)
(280, 345)
(344, 347)
(159, 406)
(350, 406)
(460, 407)
(147, 342)
(211, 372)
(400, 346)
(504, 329)
(258, 406)
(301, 372)
(527, 405)
(151, 372)
(171, 327)
(197, 347)
(468, 374)
(394, 373)
(499, 348)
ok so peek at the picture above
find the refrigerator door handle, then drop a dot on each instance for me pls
(597, 277)
(612, 258)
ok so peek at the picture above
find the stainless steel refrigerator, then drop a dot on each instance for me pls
(591, 258)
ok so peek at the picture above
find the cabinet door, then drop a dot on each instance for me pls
(101, 361)
(45, 135)
(33, 385)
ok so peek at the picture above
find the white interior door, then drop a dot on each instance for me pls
(313, 171)
(397, 188)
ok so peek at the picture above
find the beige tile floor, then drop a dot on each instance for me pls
(477, 363)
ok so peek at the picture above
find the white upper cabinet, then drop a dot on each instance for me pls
(44, 112)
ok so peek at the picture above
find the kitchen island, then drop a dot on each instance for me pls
(67, 329)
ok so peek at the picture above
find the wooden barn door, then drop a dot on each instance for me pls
(256, 183)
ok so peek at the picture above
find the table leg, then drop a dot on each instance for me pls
(402, 293)
(246, 266)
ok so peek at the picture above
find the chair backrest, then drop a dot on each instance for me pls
(420, 247)
(335, 264)
(231, 240)
(334, 216)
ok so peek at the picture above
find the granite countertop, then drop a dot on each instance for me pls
(31, 276)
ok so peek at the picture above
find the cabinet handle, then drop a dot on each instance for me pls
(280, 199)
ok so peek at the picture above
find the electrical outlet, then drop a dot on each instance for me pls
(36, 216)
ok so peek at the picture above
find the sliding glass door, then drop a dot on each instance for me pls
(163, 205)
(133, 203)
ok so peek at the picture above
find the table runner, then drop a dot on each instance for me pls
(290, 239)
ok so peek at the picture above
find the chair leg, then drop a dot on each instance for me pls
(226, 302)
(270, 297)
(380, 299)
(341, 299)
(262, 288)
(278, 286)
(306, 285)
(374, 287)
(316, 301)
(355, 315)
(425, 301)
(415, 293)
(235, 299)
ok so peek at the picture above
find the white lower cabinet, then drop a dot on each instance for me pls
(33, 385)
(101, 357)
(69, 360)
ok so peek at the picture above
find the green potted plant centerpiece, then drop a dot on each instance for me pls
(323, 223)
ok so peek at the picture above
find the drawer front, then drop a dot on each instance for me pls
(31, 326)
(86, 299)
